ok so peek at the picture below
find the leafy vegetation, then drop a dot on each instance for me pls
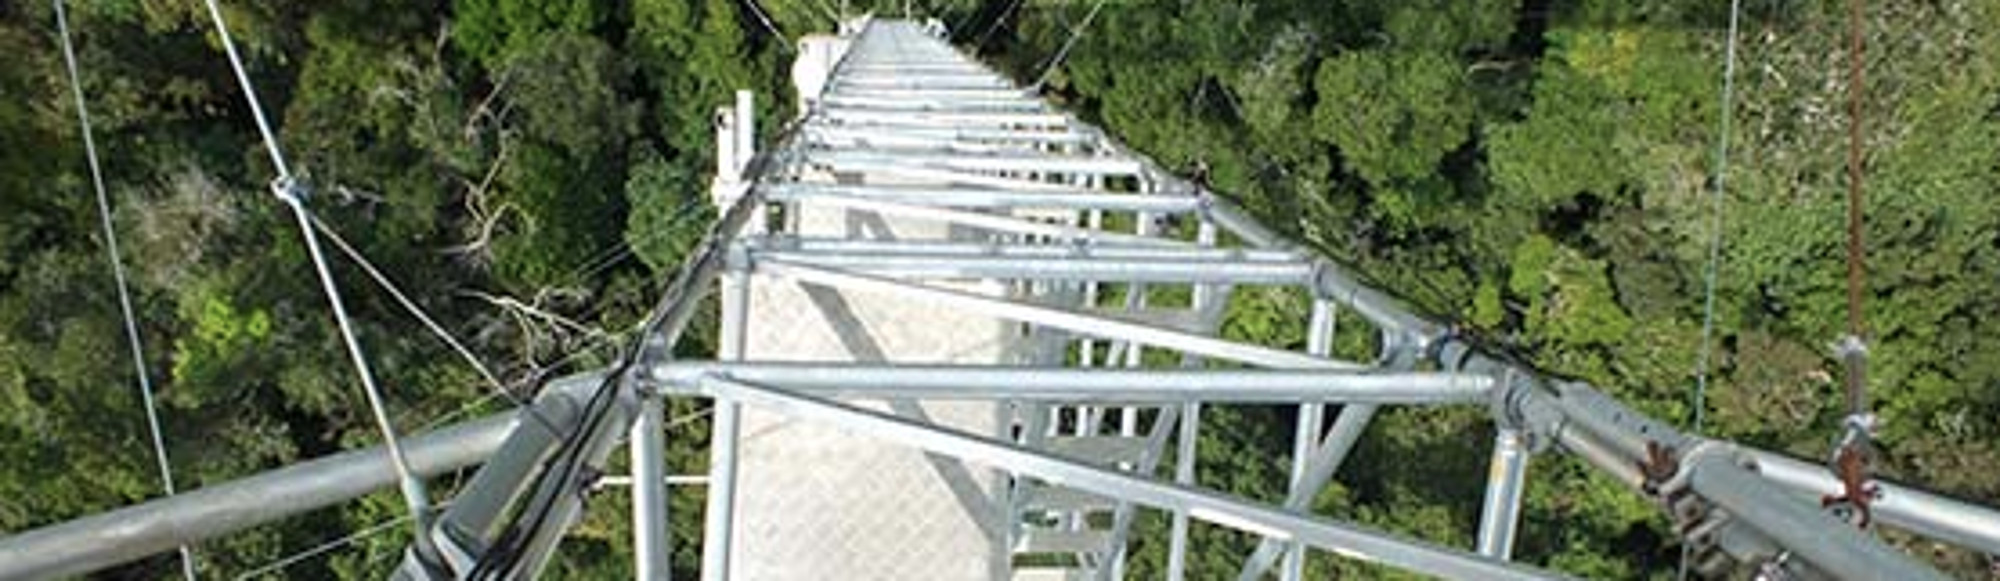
(527, 169)
(530, 169)
(1540, 173)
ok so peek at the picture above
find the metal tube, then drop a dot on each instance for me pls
(1078, 199)
(718, 531)
(1205, 301)
(816, 245)
(1063, 269)
(1092, 385)
(499, 489)
(934, 93)
(1011, 162)
(1164, 423)
(746, 129)
(1319, 341)
(1226, 214)
(1590, 449)
(1059, 318)
(961, 178)
(1349, 540)
(106, 539)
(932, 103)
(506, 475)
(1340, 439)
(652, 547)
(946, 117)
(922, 85)
(565, 505)
(1834, 547)
(1931, 515)
(1184, 475)
(943, 136)
(952, 71)
(1383, 311)
(993, 222)
(1500, 513)
(415, 496)
(1335, 283)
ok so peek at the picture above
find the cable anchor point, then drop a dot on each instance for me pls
(1851, 465)
(290, 189)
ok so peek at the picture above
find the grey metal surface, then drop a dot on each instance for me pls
(1500, 512)
(812, 502)
(1932, 515)
(1059, 318)
(1079, 199)
(127, 534)
(1102, 385)
(1830, 545)
(652, 549)
(1075, 268)
(831, 246)
(1351, 541)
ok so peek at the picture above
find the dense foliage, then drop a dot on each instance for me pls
(1540, 172)
(528, 169)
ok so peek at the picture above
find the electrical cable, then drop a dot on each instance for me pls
(118, 275)
(503, 557)
(499, 389)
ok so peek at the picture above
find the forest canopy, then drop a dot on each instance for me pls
(530, 171)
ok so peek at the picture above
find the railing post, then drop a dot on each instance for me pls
(735, 290)
(1311, 420)
(649, 492)
(1500, 514)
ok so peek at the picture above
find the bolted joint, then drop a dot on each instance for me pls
(1503, 402)
(1518, 402)
(639, 377)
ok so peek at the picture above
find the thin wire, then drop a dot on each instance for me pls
(619, 251)
(995, 25)
(786, 44)
(316, 550)
(287, 190)
(118, 274)
(249, 93)
(499, 389)
(1715, 203)
(1075, 34)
